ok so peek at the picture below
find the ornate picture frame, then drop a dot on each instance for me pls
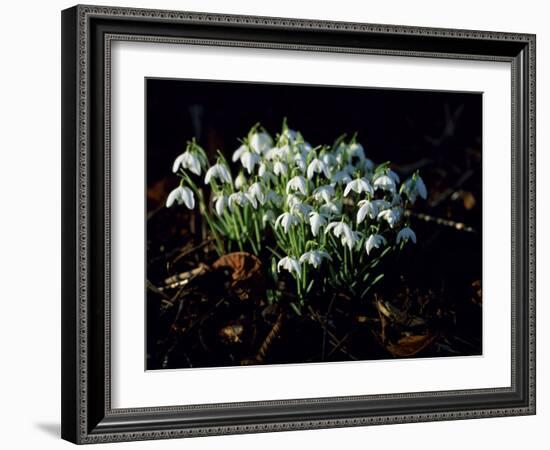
(87, 35)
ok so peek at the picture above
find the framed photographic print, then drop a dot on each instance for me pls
(277, 224)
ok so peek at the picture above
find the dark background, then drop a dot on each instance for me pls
(402, 126)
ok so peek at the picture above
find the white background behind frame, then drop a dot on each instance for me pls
(134, 387)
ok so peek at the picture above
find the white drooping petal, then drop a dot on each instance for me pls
(181, 195)
(331, 208)
(255, 190)
(286, 220)
(249, 160)
(406, 234)
(356, 150)
(262, 168)
(344, 232)
(221, 204)
(358, 185)
(280, 168)
(260, 142)
(300, 161)
(239, 152)
(391, 216)
(393, 176)
(421, 188)
(292, 200)
(290, 264)
(188, 197)
(172, 196)
(240, 181)
(328, 159)
(189, 161)
(374, 241)
(218, 171)
(298, 183)
(385, 183)
(366, 208)
(325, 193)
(381, 204)
(251, 200)
(302, 208)
(314, 257)
(316, 221)
(341, 177)
(241, 199)
(316, 166)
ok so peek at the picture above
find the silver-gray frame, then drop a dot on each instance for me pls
(88, 33)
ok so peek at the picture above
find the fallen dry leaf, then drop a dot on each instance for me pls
(410, 345)
(247, 278)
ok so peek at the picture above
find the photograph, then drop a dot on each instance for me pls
(292, 224)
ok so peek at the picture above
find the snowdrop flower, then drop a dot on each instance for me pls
(181, 195)
(391, 216)
(255, 190)
(405, 234)
(247, 157)
(288, 135)
(241, 199)
(325, 193)
(331, 208)
(358, 185)
(366, 208)
(292, 200)
(219, 171)
(265, 173)
(303, 208)
(341, 177)
(356, 150)
(304, 147)
(415, 186)
(280, 168)
(316, 166)
(290, 264)
(384, 182)
(300, 161)
(221, 204)
(328, 159)
(239, 152)
(374, 241)
(316, 221)
(249, 160)
(187, 160)
(298, 183)
(344, 232)
(260, 142)
(366, 165)
(240, 181)
(314, 257)
(287, 220)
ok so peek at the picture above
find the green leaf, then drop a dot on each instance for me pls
(296, 308)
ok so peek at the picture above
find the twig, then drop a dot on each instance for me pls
(323, 345)
(438, 220)
(268, 341)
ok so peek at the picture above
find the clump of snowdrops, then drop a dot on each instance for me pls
(327, 215)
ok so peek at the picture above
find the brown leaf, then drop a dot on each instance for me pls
(410, 345)
(247, 278)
